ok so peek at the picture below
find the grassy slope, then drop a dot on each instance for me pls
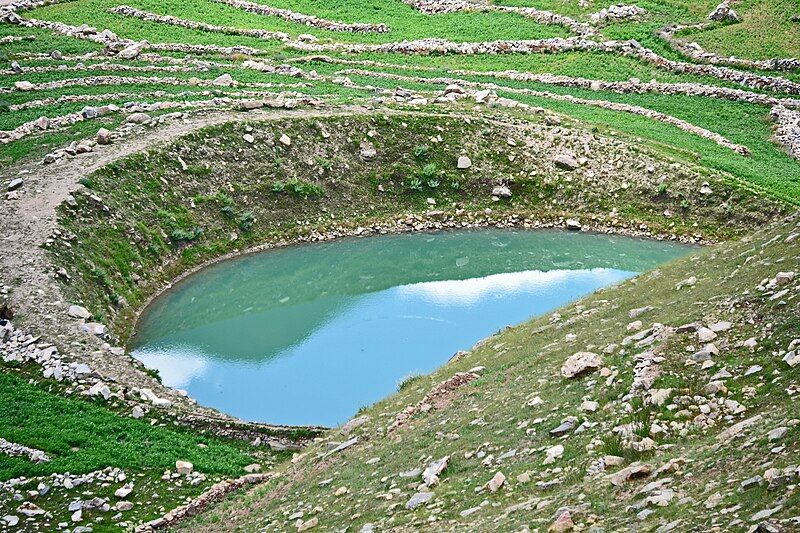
(82, 436)
(491, 415)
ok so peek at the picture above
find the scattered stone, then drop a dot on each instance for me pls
(285, 140)
(103, 136)
(76, 311)
(431, 474)
(497, 481)
(464, 162)
(418, 499)
(566, 162)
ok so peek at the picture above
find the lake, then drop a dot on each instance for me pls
(308, 334)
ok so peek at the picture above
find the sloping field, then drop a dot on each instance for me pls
(141, 139)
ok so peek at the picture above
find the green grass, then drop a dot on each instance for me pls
(81, 436)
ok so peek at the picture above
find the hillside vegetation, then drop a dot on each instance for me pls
(142, 139)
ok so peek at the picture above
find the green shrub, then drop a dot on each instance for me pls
(278, 186)
(421, 151)
(304, 188)
(185, 235)
(433, 184)
(245, 221)
(415, 184)
(429, 171)
(408, 380)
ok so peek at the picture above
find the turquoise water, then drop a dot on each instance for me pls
(308, 334)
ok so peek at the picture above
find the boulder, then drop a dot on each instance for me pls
(184, 468)
(724, 13)
(94, 328)
(566, 162)
(367, 151)
(418, 499)
(497, 481)
(138, 118)
(431, 474)
(24, 85)
(132, 51)
(501, 191)
(580, 363)
(103, 136)
(225, 80)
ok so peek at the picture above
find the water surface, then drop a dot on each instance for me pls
(308, 334)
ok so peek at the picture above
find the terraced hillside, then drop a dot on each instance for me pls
(140, 140)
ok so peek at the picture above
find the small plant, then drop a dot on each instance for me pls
(433, 183)
(415, 184)
(455, 185)
(421, 151)
(429, 171)
(612, 445)
(86, 182)
(278, 186)
(662, 188)
(408, 380)
(305, 189)
(245, 221)
(228, 212)
(198, 170)
(186, 235)
(685, 204)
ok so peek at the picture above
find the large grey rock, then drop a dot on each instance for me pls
(566, 161)
(419, 499)
(580, 363)
(224, 80)
(132, 51)
(76, 311)
(501, 191)
(138, 118)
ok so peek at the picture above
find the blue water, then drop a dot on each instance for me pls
(308, 334)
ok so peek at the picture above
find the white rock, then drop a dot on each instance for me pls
(76, 311)
(579, 363)
(497, 481)
(184, 468)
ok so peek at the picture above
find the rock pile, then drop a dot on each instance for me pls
(308, 20)
(787, 129)
(724, 13)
